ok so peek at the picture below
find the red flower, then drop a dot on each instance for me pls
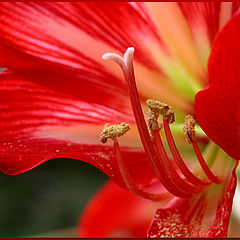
(56, 94)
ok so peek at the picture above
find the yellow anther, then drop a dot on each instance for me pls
(189, 129)
(113, 131)
(163, 109)
(153, 123)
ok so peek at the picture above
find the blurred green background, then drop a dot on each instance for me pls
(48, 198)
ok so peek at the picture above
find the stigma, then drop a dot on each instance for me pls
(180, 181)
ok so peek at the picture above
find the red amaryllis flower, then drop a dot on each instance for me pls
(57, 93)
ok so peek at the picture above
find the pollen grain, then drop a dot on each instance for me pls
(113, 131)
(189, 129)
(160, 108)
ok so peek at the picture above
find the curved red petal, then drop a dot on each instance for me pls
(77, 82)
(204, 215)
(68, 34)
(218, 106)
(203, 15)
(116, 212)
(38, 124)
(95, 96)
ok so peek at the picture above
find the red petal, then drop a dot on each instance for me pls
(202, 14)
(68, 39)
(38, 124)
(91, 79)
(65, 33)
(99, 100)
(106, 92)
(218, 106)
(116, 212)
(209, 16)
(205, 215)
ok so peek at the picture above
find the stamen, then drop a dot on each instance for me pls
(161, 109)
(190, 138)
(189, 129)
(113, 131)
(178, 159)
(130, 183)
(204, 165)
(128, 71)
(169, 168)
(154, 125)
(157, 108)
